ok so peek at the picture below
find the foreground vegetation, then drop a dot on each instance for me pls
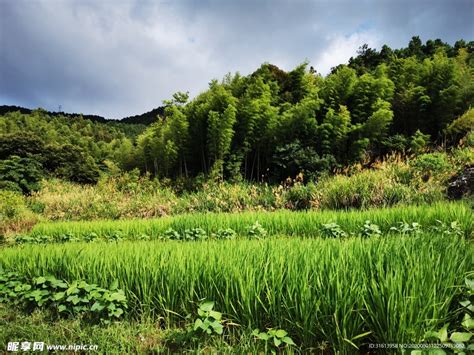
(300, 285)
(289, 271)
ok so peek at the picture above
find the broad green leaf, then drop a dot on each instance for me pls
(114, 285)
(215, 315)
(276, 341)
(117, 296)
(218, 328)
(469, 283)
(459, 337)
(432, 334)
(72, 289)
(280, 333)
(443, 333)
(207, 306)
(118, 312)
(75, 300)
(288, 341)
(264, 336)
(97, 307)
(255, 331)
(436, 352)
(197, 324)
(468, 322)
(61, 308)
(40, 280)
(58, 296)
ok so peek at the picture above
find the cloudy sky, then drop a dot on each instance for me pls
(117, 57)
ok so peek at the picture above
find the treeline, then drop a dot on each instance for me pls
(38, 144)
(270, 124)
(273, 124)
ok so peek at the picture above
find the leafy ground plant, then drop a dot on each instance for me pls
(209, 321)
(459, 334)
(227, 233)
(256, 230)
(275, 337)
(407, 228)
(370, 229)
(92, 302)
(333, 230)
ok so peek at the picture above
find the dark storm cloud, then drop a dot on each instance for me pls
(117, 58)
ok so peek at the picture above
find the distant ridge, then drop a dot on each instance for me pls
(146, 118)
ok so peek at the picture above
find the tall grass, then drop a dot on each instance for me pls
(319, 290)
(282, 222)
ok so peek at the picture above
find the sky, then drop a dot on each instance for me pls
(117, 58)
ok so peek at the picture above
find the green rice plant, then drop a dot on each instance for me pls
(347, 292)
(282, 222)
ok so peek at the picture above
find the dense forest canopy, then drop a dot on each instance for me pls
(265, 126)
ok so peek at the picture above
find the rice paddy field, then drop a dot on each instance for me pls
(336, 282)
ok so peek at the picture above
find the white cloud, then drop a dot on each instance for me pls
(341, 48)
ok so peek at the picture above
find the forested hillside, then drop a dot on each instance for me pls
(266, 126)
(37, 144)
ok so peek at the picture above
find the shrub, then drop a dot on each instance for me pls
(20, 174)
(368, 188)
(14, 215)
(432, 163)
(299, 196)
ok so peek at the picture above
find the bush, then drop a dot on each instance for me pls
(368, 188)
(432, 163)
(20, 174)
(299, 196)
(14, 215)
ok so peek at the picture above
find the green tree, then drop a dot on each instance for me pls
(20, 174)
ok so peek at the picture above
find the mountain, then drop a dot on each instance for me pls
(146, 118)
